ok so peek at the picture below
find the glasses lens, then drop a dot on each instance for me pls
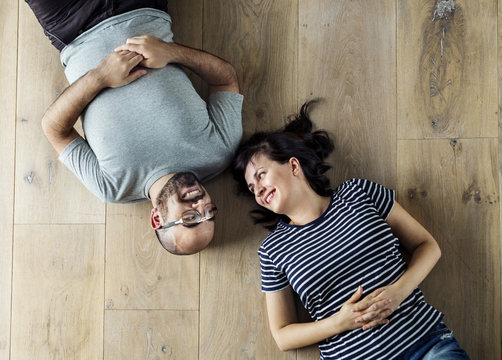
(210, 211)
(191, 217)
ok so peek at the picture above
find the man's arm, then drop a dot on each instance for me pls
(217, 73)
(59, 119)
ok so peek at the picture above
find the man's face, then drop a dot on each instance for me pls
(182, 193)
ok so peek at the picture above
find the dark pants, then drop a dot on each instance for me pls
(64, 20)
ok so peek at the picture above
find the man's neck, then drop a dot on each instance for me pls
(156, 187)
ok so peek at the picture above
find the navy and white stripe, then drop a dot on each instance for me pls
(326, 260)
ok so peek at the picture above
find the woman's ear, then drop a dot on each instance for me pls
(294, 164)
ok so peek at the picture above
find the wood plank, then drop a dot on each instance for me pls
(233, 317)
(57, 296)
(260, 40)
(499, 81)
(138, 334)
(140, 274)
(8, 64)
(447, 69)
(46, 192)
(347, 57)
(451, 187)
(187, 29)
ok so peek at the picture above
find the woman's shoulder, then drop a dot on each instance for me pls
(280, 234)
(350, 184)
(356, 184)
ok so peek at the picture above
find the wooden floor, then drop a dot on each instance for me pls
(411, 96)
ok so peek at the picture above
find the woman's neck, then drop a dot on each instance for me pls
(309, 207)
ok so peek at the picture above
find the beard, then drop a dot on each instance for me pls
(177, 183)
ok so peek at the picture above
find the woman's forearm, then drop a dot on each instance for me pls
(422, 261)
(297, 335)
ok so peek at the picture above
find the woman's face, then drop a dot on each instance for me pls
(271, 183)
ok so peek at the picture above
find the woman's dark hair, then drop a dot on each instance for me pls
(295, 139)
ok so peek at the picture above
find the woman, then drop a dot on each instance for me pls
(326, 243)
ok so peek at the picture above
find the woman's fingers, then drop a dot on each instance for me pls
(356, 296)
(375, 323)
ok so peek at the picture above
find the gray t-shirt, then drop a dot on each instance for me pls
(154, 126)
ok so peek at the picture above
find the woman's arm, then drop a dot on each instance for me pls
(289, 334)
(422, 247)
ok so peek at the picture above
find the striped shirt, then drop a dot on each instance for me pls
(326, 260)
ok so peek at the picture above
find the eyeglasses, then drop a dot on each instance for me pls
(191, 218)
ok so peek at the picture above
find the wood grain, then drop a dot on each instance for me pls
(139, 334)
(347, 58)
(447, 66)
(140, 274)
(451, 187)
(57, 296)
(46, 192)
(233, 318)
(359, 56)
(8, 64)
(259, 39)
(187, 29)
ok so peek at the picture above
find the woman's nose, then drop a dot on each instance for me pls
(259, 189)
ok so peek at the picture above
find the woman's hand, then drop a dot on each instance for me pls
(392, 296)
(371, 311)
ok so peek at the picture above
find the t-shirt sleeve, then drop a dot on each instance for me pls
(225, 112)
(381, 197)
(81, 160)
(271, 278)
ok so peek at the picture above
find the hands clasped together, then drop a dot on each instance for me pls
(117, 69)
(371, 311)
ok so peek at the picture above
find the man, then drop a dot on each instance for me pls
(148, 135)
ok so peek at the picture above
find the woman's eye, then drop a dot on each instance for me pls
(260, 175)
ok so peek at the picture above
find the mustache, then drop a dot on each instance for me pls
(194, 200)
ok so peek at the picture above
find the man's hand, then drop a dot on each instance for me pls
(115, 70)
(156, 53)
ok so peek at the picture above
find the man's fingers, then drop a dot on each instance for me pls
(135, 75)
(128, 47)
(136, 39)
(135, 60)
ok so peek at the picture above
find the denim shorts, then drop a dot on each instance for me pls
(438, 344)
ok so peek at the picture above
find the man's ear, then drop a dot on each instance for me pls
(155, 219)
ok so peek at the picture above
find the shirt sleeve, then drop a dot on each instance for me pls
(271, 278)
(381, 197)
(81, 160)
(225, 112)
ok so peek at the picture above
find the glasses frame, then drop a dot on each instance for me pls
(207, 208)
